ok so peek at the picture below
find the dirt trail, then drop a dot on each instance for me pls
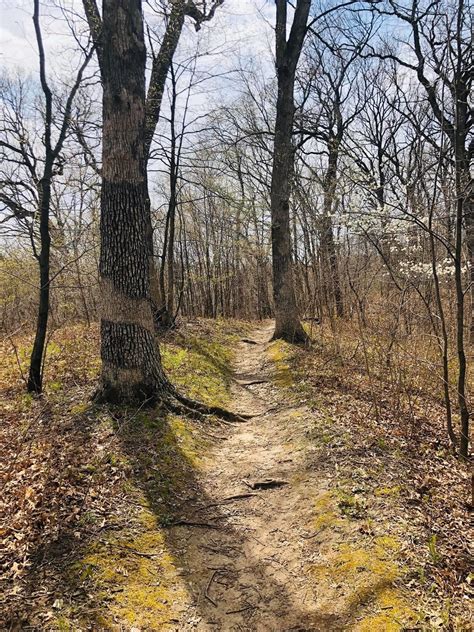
(251, 573)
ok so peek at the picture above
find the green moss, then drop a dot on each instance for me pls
(326, 515)
(117, 460)
(201, 368)
(80, 409)
(385, 544)
(62, 624)
(368, 577)
(433, 549)
(392, 614)
(190, 446)
(280, 352)
(388, 491)
(142, 572)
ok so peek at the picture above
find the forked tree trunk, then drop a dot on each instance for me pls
(131, 365)
(162, 62)
(288, 325)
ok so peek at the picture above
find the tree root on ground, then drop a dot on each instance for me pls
(170, 398)
(198, 410)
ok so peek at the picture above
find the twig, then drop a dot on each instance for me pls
(190, 523)
(252, 382)
(247, 607)
(230, 498)
(310, 535)
(206, 592)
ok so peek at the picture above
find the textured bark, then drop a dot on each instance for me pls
(131, 365)
(287, 324)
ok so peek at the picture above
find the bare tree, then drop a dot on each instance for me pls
(287, 51)
(42, 170)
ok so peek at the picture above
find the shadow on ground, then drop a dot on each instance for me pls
(227, 584)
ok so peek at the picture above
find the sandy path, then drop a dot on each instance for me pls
(251, 573)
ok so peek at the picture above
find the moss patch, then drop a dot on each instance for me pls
(326, 514)
(387, 491)
(201, 365)
(391, 614)
(280, 353)
(137, 577)
(367, 574)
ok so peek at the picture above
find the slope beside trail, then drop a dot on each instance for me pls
(270, 548)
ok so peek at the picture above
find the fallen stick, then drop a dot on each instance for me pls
(252, 382)
(230, 498)
(206, 592)
(190, 523)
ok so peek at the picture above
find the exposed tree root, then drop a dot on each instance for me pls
(201, 411)
(249, 342)
(168, 396)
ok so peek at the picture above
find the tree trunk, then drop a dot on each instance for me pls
(131, 365)
(288, 325)
(463, 216)
(170, 299)
(328, 246)
(35, 377)
(331, 268)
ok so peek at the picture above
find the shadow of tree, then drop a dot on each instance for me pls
(59, 482)
(218, 558)
(170, 553)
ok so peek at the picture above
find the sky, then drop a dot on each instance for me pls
(241, 28)
(239, 36)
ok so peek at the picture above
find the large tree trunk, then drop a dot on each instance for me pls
(288, 325)
(131, 365)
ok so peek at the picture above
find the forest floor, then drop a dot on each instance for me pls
(311, 515)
